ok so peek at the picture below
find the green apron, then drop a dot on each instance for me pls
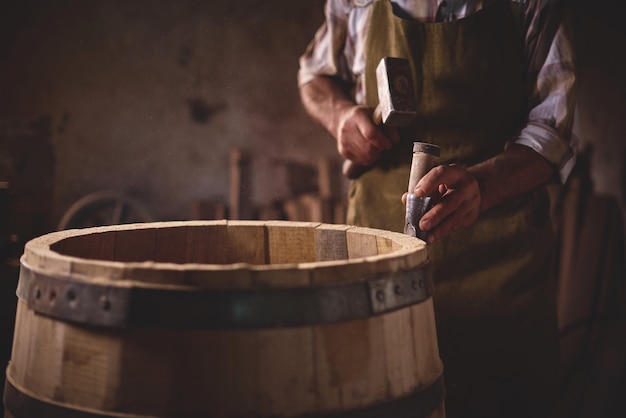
(494, 294)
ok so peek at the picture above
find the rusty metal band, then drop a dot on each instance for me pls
(98, 304)
(419, 404)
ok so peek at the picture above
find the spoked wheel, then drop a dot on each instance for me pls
(102, 208)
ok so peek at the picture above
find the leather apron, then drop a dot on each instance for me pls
(494, 281)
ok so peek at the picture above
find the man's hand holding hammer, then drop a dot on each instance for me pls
(359, 139)
(362, 133)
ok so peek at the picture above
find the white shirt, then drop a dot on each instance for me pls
(338, 49)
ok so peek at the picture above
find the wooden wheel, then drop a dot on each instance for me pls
(102, 208)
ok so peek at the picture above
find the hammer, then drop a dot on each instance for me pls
(396, 103)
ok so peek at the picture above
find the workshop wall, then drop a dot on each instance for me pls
(602, 96)
(590, 214)
(149, 97)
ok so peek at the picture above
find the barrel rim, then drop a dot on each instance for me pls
(101, 292)
(40, 257)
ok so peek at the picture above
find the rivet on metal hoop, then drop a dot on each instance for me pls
(105, 303)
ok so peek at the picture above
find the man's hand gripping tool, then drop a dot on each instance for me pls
(424, 158)
(396, 102)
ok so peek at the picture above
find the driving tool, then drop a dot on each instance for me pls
(424, 158)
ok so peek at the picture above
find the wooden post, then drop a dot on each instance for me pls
(240, 185)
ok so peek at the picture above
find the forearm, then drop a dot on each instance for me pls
(462, 194)
(551, 86)
(325, 99)
(517, 170)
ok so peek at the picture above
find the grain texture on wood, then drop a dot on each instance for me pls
(244, 360)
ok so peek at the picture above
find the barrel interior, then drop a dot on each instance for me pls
(228, 243)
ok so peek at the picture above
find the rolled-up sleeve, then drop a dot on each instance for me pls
(548, 130)
(325, 54)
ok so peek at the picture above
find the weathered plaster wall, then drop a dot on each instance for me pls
(149, 97)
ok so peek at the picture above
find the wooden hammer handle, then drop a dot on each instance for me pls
(424, 158)
(353, 171)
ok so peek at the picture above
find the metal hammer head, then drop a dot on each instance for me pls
(395, 91)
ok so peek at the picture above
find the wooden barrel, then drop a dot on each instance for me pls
(225, 319)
